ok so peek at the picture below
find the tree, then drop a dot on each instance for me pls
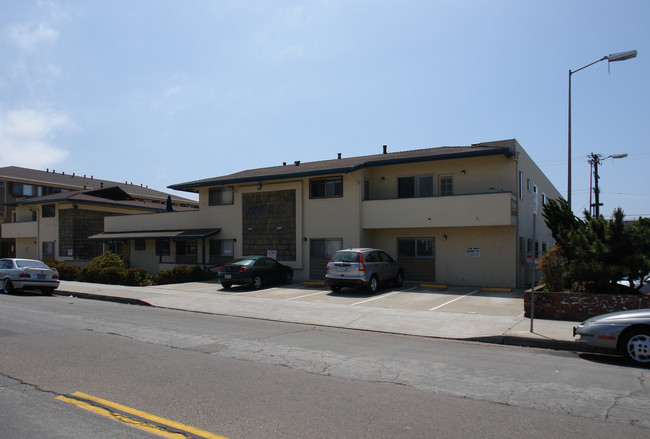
(597, 253)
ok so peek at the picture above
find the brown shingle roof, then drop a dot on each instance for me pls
(344, 165)
(77, 182)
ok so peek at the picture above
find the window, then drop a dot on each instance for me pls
(418, 186)
(48, 211)
(446, 185)
(186, 247)
(140, 244)
(48, 250)
(326, 187)
(415, 247)
(222, 247)
(325, 248)
(221, 195)
(543, 199)
(162, 247)
(521, 185)
(366, 189)
(528, 184)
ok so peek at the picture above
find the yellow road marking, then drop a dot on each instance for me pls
(89, 402)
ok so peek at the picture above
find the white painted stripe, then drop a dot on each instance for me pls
(451, 301)
(377, 297)
(308, 295)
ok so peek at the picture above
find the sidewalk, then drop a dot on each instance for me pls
(201, 297)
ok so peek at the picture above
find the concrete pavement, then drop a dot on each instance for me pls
(208, 297)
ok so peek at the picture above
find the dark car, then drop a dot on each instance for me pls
(255, 271)
(625, 332)
(362, 268)
(18, 274)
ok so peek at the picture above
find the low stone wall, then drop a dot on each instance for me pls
(578, 307)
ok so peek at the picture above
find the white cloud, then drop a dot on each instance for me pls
(25, 137)
(27, 35)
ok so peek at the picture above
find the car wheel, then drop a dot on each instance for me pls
(7, 286)
(226, 285)
(335, 288)
(288, 277)
(399, 279)
(374, 285)
(257, 282)
(635, 346)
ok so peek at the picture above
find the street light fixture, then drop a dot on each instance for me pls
(612, 57)
(594, 161)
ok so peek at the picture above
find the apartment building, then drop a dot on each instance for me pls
(39, 208)
(452, 215)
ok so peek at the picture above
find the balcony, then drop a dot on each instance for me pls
(488, 209)
(28, 229)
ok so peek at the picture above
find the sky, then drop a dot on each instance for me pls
(169, 91)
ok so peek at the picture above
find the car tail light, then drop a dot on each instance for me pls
(56, 276)
(362, 266)
(24, 275)
(243, 270)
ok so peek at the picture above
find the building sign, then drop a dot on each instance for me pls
(473, 252)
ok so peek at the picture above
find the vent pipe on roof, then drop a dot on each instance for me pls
(47, 170)
(339, 156)
(284, 163)
(297, 163)
(385, 149)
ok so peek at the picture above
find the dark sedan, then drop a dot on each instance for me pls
(255, 271)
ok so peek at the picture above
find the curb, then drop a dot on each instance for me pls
(506, 340)
(103, 298)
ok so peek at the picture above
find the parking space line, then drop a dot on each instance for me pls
(451, 301)
(376, 297)
(307, 295)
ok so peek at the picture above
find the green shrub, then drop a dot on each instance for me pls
(112, 275)
(108, 259)
(137, 277)
(178, 274)
(90, 274)
(68, 272)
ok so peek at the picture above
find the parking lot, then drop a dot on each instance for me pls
(410, 297)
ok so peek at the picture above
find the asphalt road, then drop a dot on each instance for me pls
(246, 378)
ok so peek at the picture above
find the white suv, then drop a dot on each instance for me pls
(362, 267)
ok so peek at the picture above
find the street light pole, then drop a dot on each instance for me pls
(612, 57)
(594, 161)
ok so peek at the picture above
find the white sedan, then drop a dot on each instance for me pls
(18, 274)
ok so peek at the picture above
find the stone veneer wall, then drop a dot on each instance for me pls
(269, 223)
(579, 307)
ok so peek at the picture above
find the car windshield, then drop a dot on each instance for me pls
(346, 257)
(28, 263)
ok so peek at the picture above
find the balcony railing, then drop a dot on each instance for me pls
(487, 209)
(27, 229)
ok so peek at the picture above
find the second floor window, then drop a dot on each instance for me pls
(417, 186)
(326, 187)
(221, 195)
(446, 185)
(48, 211)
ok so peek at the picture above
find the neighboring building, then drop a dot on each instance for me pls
(452, 215)
(30, 188)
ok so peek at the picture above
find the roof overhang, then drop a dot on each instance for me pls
(278, 174)
(155, 234)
